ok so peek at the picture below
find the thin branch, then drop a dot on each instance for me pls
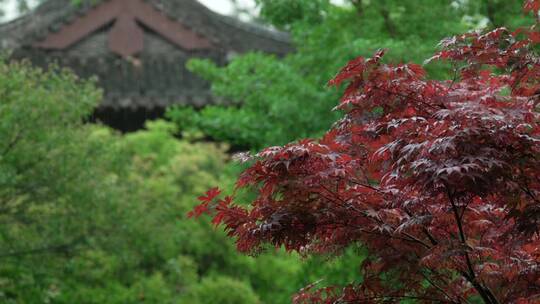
(440, 289)
(363, 213)
(439, 106)
(484, 292)
(383, 298)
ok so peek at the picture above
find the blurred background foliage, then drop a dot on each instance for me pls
(278, 100)
(91, 216)
(88, 215)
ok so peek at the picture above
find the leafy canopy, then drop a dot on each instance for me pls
(91, 216)
(267, 100)
(438, 179)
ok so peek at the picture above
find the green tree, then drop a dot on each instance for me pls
(51, 170)
(44, 169)
(222, 290)
(92, 216)
(268, 100)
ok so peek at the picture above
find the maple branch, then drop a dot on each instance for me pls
(366, 186)
(455, 76)
(462, 237)
(529, 193)
(410, 237)
(440, 289)
(379, 221)
(440, 106)
(413, 240)
(484, 292)
(431, 238)
(383, 298)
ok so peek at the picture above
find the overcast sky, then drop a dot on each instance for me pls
(221, 6)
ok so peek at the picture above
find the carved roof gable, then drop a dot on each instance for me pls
(126, 37)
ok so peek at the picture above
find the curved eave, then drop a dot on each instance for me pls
(34, 24)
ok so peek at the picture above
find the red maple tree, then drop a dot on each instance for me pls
(442, 188)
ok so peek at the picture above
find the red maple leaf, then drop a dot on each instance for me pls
(532, 6)
(210, 195)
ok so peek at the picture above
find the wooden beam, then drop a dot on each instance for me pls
(173, 31)
(81, 27)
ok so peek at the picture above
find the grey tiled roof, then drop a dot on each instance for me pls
(157, 77)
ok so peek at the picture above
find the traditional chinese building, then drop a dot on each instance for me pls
(137, 49)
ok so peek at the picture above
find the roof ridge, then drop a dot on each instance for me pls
(153, 79)
(251, 27)
(65, 13)
(255, 28)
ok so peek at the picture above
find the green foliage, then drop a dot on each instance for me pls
(91, 216)
(267, 100)
(269, 81)
(45, 174)
(283, 13)
(222, 290)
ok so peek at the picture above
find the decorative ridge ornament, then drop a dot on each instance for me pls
(126, 38)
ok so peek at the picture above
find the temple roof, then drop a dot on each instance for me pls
(136, 48)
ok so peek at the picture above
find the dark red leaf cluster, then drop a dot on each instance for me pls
(440, 180)
(532, 6)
